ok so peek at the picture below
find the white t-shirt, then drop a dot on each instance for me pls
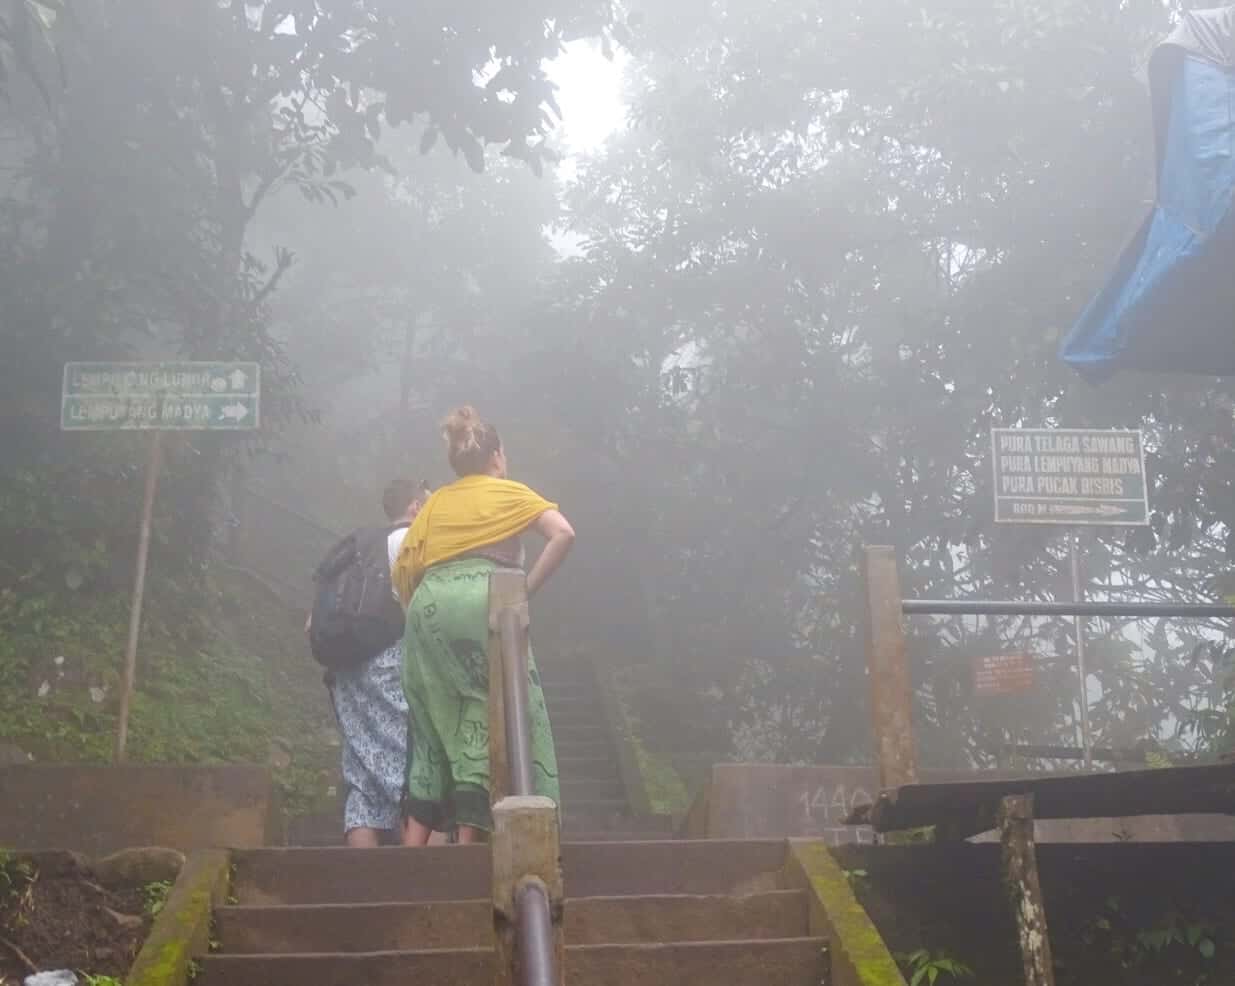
(393, 543)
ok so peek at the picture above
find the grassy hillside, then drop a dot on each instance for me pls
(224, 677)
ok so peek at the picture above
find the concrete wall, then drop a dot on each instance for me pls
(99, 809)
(749, 801)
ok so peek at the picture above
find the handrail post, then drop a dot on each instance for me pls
(507, 590)
(891, 684)
(528, 895)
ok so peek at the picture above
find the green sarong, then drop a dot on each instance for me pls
(446, 679)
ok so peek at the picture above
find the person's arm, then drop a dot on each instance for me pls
(559, 537)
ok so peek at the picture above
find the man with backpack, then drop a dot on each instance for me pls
(356, 633)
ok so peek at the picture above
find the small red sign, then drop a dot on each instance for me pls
(1003, 674)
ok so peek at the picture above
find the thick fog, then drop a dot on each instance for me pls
(752, 300)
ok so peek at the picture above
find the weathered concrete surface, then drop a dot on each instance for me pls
(761, 801)
(860, 957)
(245, 930)
(782, 962)
(100, 809)
(181, 932)
(526, 855)
(342, 876)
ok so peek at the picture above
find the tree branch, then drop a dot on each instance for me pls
(21, 956)
(283, 263)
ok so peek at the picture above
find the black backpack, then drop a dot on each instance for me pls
(355, 614)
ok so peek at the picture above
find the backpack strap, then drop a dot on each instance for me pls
(337, 558)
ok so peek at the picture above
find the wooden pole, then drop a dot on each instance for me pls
(891, 685)
(153, 467)
(1020, 873)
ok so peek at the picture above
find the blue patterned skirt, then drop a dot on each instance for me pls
(373, 718)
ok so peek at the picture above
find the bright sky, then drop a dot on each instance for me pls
(590, 95)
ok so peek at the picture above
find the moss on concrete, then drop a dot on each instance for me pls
(859, 955)
(666, 793)
(181, 932)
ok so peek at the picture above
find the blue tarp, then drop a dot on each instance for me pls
(1170, 304)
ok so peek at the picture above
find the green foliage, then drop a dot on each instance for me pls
(834, 250)
(16, 874)
(1167, 941)
(89, 980)
(154, 896)
(667, 794)
(925, 967)
(223, 675)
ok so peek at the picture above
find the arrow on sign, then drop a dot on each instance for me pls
(234, 412)
(238, 379)
(1104, 509)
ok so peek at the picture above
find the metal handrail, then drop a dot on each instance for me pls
(534, 924)
(533, 917)
(1008, 607)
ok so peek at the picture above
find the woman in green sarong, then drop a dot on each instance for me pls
(465, 531)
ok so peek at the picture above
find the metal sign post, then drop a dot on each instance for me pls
(139, 590)
(1078, 596)
(157, 397)
(1076, 477)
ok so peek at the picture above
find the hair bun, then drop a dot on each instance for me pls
(470, 441)
(461, 428)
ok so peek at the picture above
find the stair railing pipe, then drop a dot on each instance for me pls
(1016, 607)
(515, 695)
(535, 929)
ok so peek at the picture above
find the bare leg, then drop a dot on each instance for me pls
(469, 835)
(415, 834)
(363, 838)
(438, 839)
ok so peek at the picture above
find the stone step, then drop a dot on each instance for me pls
(770, 962)
(593, 746)
(639, 827)
(575, 733)
(445, 873)
(570, 776)
(577, 791)
(587, 767)
(633, 834)
(595, 808)
(555, 670)
(565, 693)
(568, 714)
(469, 924)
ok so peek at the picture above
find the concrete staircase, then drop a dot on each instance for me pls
(646, 913)
(595, 804)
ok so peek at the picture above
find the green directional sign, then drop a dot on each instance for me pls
(1069, 476)
(184, 396)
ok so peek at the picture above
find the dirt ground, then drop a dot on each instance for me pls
(54, 915)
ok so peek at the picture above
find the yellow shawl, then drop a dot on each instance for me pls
(470, 513)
